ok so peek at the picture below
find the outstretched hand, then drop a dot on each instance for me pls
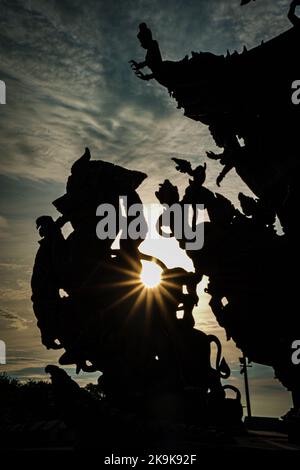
(142, 76)
(134, 65)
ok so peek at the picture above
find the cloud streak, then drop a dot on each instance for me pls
(10, 320)
(70, 84)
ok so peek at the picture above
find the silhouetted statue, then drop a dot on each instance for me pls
(198, 175)
(250, 116)
(164, 71)
(80, 262)
(254, 119)
(242, 257)
(153, 59)
(229, 157)
(108, 321)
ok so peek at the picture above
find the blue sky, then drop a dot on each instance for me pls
(69, 85)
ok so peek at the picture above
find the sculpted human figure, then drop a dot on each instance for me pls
(153, 59)
(165, 72)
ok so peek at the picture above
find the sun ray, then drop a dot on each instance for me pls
(129, 294)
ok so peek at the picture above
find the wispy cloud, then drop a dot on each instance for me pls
(3, 227)
(10, 320)
(69, 82)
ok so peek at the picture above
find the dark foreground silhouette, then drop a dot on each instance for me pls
(154, 365)
(38, 418)
(243, 256)
(245, 259)
(157, 377)
(253, 117)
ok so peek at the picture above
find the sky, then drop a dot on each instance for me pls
(69, 85)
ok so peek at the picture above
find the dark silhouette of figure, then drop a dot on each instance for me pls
(231, 153)
(242, 256)
(109, 322)
(238, 106)
(198, 175)
(254, 119)
(79, 263)
(153, 59)
(164, 71)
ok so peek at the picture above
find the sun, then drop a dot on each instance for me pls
(151, 274)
